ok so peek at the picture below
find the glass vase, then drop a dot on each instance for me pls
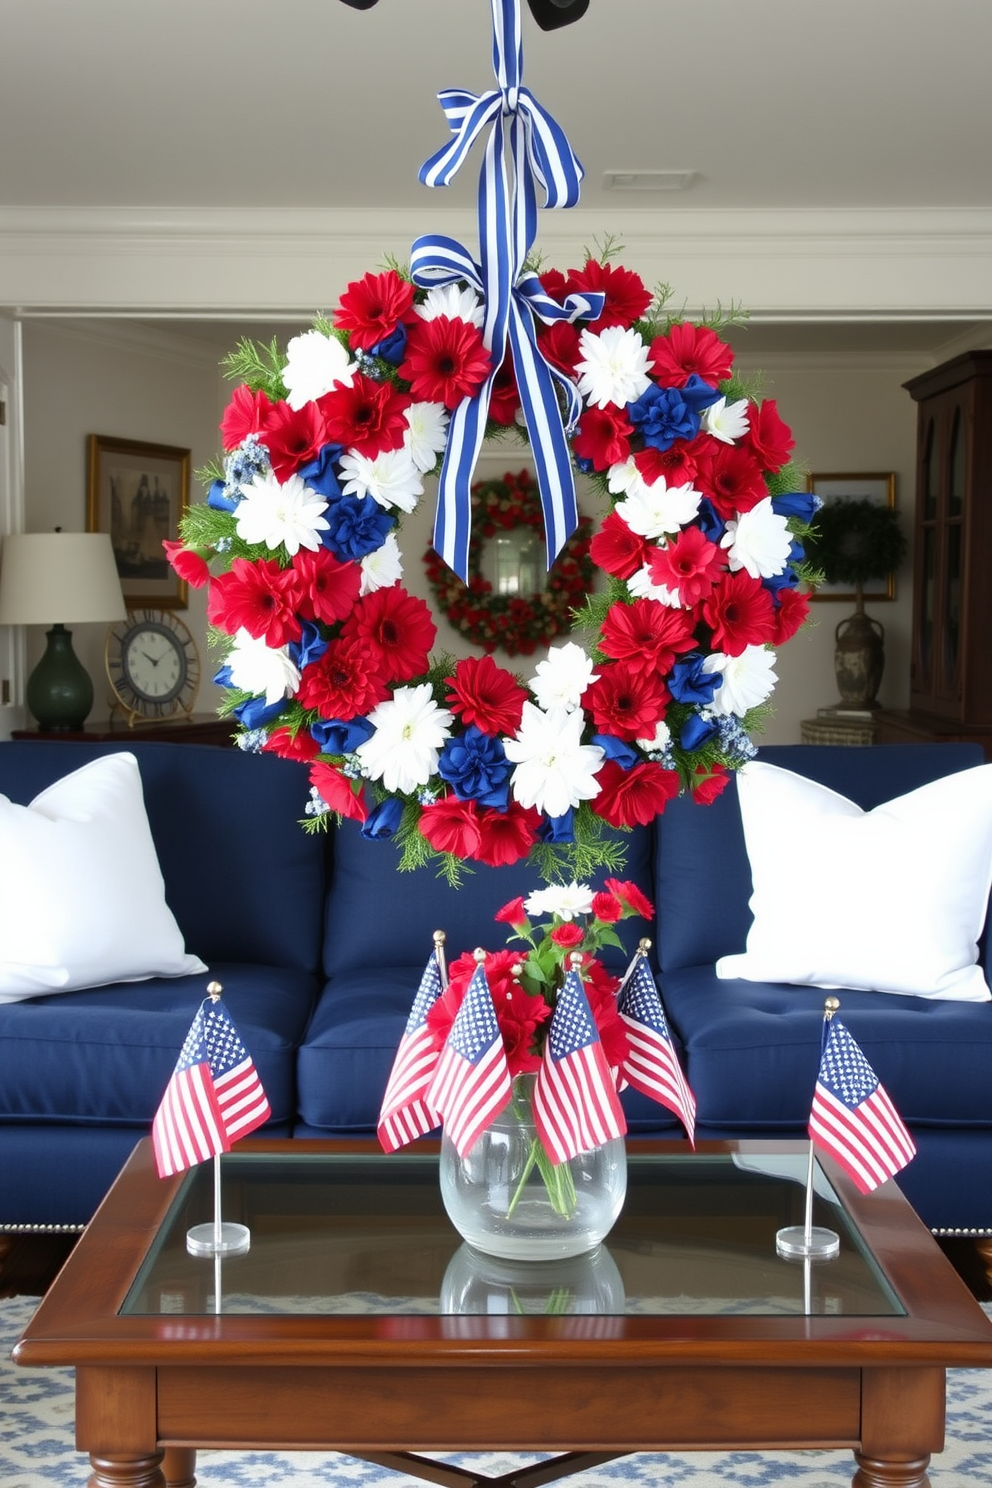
(506, 1197)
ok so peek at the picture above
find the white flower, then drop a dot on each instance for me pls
(316, 363)
(615, 366)
(642, 586)
(659, 741)
(382, 568)
(562, 678)
(624, 476)
(426, 434)
(747, 679)
(653, 511)
(391, 478)
(759, 541)
(455, 303)
(271, 513)
(410, 730)
(564, 900)
(555, 770)
(726, 421)
(261, 669)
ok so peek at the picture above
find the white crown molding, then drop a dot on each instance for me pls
(122, 334)
(840, 264)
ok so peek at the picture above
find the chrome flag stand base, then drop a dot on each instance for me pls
(799, 1242)
(218, 1239)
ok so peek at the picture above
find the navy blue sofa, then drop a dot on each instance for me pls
(319, 944)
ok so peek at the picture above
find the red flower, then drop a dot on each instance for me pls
(568, 935)
(688, 348)
(625, 701)
(518, 1014)
(261, 598)
(626, 297)
(790, 614)
(632, 798)
(329, 587)
(770, 439)
(646, 634)
(397, 629)
(293, 436)
(190, 565)
(740, 613)
(504, 400)
(558, 343)
(452, 826)
(372, 307)
(485, 694)
(338, 792)
(629, 894)
(300, 745)
(446, 360)
(247, 413)
(603, 437)
(675, 465)
(607, 907)
(730, 476)
(506, 836)
(343, 682)
(708, 781)
(617, 550)
(690, 565)
(512, 913)
(368, 416)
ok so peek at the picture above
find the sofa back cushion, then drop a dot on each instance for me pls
(243, 879)
(377, 916)
(702, 873)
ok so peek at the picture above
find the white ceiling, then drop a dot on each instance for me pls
(779, 104)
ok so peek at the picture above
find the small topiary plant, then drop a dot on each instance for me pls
(853, 542)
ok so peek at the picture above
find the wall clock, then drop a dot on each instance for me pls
(153, 666)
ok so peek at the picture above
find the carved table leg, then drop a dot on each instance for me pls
(873, 1473)
(126, 1472)
(179, 1467)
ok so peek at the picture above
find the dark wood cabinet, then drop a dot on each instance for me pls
(951, 667)
(199, 728)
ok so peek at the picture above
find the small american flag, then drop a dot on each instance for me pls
(576, 1107)
(405, 1113)
(213, 1098)
(652, 1065)
(471, 1084)
(852, 1117)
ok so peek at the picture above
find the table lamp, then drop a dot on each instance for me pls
(71, 575)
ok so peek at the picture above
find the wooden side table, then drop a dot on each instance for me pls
(196, 728)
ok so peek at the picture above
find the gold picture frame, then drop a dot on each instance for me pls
(136, 493)
(874, 486)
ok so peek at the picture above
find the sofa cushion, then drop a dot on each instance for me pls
(243, 879)
(702, 875)
(752, 1051)
(104, 1056)
(82, 895)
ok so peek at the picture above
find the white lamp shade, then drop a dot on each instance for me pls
(65, 578)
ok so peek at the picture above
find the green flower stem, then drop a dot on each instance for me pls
(558, 1180)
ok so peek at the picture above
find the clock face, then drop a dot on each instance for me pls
(152, 664)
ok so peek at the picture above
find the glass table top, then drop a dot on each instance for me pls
(355, 1233)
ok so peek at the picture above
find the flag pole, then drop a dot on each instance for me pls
(808, 1241)
(219, 1238)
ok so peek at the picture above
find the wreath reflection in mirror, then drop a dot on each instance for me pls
(511, 602)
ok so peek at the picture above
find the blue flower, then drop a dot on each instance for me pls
(319, 473)
(218, 498)
(383, 820)
(337, 737)
(558, 828)
(242, 465)
(662, 415)
(355, 527)
(391, 348)
(710, 522)
(689, 683)
(787, 579)
(222, 678)
(310, 647)
(255, 713)
(696, 731)
(625, 754)
(735, 741)
(476, 768)
(801, 504)
(698, 394)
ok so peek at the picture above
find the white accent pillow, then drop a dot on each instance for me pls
(889, 900)
(82, 899)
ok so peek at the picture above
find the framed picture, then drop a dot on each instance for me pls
(880, 488)
(137, 493)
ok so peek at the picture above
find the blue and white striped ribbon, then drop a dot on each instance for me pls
(541, 156)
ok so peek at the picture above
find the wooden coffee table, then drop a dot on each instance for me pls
(358, 1323)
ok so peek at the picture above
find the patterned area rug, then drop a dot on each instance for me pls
(37, 1451)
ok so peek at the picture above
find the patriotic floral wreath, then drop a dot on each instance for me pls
(327, 656)
(517, 623)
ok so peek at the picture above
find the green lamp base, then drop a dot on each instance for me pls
(59, 691)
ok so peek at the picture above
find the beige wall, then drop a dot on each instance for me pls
(849, 415)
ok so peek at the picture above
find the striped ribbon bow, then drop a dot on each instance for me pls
(540, 155)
